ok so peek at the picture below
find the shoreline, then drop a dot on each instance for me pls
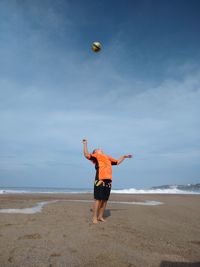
(167, 189)
(32, 197)
(133, 235)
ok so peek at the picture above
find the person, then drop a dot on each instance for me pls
(103, 179)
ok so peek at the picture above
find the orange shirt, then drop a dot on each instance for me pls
(103, 164)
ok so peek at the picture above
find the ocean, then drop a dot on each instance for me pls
(164, 189)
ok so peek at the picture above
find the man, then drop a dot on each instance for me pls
(103, 180)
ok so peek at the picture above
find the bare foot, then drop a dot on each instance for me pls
(101, 219)
(94, 220)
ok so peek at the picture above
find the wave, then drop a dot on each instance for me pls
(164, 189)
(44, 191)
(152, 191)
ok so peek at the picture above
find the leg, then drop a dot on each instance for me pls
(101, 210)
(96, 210)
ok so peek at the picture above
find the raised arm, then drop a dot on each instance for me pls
(124, 157)
(85, 149)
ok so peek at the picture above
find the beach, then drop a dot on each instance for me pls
(134, 235)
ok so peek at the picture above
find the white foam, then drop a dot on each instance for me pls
(32, 210)
(40, 205)
(20, 191)
(145, 203)
(152, 191)
(6, 191)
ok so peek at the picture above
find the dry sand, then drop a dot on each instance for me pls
(133, 235)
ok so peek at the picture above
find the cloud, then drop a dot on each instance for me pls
(168, 112)
(54, 92)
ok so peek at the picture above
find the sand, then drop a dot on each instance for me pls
(133, 235)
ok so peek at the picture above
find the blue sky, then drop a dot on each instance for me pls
(139, 95)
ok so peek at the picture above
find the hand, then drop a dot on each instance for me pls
(84, 141)
(128, 156)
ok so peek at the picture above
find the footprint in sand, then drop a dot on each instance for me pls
(10, 259)
(11, 256)
(55, 255)
(8, 224)
(195, 242)
(72, 250)
(32, 236)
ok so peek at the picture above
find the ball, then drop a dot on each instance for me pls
(96, 46)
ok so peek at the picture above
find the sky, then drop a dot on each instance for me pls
(139, 95)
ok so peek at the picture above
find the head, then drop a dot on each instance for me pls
(97, 151)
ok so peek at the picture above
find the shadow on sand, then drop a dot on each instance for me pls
(107, 213)
(179, 264)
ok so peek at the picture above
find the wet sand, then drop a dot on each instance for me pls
(133, 235)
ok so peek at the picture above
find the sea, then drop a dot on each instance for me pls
(163, 189)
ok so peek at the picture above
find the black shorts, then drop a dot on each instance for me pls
(102, 189)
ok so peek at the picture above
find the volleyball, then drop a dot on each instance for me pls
(96, 46)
